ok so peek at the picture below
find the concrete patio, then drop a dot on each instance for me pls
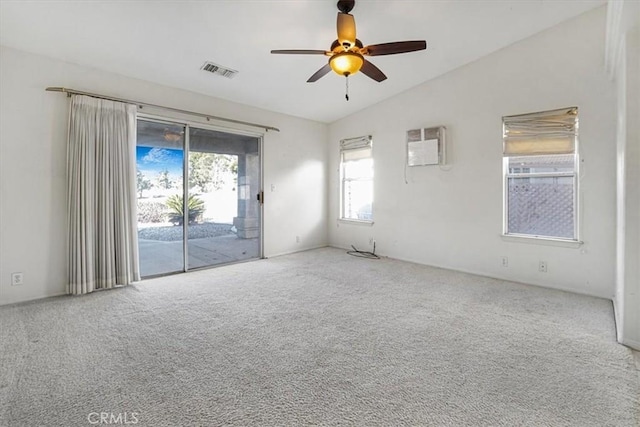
(162, 257)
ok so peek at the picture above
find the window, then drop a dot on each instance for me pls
(356, 170)
(540, 166)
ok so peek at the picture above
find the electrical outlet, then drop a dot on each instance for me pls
(297, 239)
(542, 267)
(16, 279)
(505, 261)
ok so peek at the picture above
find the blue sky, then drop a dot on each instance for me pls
(151, 160)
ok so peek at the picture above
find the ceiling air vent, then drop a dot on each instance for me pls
(219, 70)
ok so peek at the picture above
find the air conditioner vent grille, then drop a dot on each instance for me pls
(219, 70)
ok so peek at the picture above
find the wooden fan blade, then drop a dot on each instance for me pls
(300, 52)
(394, 48)
(370, 70)
(346, 29)
(320, 73)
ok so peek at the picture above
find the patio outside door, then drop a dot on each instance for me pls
(218, 221)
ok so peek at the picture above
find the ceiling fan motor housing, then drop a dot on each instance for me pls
(346, 6)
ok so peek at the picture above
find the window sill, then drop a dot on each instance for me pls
(549, 241)
(355, 221)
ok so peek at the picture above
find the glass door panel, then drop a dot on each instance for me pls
(224, 213)
(160, 171)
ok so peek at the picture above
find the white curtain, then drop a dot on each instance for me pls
(101, 168)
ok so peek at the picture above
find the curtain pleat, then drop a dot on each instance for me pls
(102, 207)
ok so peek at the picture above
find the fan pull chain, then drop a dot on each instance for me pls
(346, 95)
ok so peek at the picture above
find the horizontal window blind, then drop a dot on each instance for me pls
(356, 148)
(547, 132)
(356, 143)
(359, 154)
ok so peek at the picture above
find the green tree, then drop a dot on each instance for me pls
(142, 183)
(164, 181)
(207, 170)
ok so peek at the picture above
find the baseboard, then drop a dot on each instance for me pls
(557, 288)
(305, 249)
(617, 320)
(8, 304)
(634, 344)
(491, 276)
(631, 343)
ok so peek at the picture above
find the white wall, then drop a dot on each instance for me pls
(624, 59)
(453, 218)
(32, 167)
(631, 227)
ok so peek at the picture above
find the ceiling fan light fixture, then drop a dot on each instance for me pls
(346, 55)
(172, 136)
(346, 63)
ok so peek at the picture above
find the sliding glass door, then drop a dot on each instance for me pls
(223, 184)
(160, 171)
(197, 197)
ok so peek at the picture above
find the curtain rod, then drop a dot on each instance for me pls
(70, 92)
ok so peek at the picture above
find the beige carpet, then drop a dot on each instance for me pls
(317, 338)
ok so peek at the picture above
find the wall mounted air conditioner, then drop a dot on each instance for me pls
(426, 146)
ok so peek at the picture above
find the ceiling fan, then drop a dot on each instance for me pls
(346, 56)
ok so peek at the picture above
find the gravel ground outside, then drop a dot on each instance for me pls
(174, 232)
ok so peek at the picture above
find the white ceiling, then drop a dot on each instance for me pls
(167, 42)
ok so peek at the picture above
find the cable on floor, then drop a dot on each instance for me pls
(364, 254)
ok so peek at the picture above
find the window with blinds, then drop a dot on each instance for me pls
(356, 175)
(540, 166)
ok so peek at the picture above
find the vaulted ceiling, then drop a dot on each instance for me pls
(167, 42)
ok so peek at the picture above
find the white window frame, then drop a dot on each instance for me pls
(346, 146)
(545, 149)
